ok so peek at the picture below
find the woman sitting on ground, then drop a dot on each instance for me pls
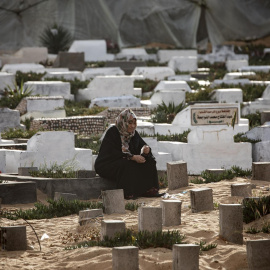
(127, 160)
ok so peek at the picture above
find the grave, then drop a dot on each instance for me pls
(154, 73)
(26, 55)
(149, 219)
(13, 238)
(237, 75)
(113, 201)
(18, 192)
(232, 65)
(25, 68)
(110, 227)
(112, 102)
(126, 257)
(6, 79)
(183, 63)
(90, 73)
(260, 149)
(177, 174)
(241, 189)
(173, 86)
(50, 88)
(46, 107)
(9, 160)
(65, 196)
(201, 200)
(230, 95)
(231, 223)
(230, 81)
(94, 50)
(2, 142)
(10, 119)
(70, 60)
(107, 86)
(86, 216)
(185, 77)
(171, 212)
(55, 147)
(265, 68)
(126, 66)
(133, 54)
(165, 56)
(186, 257)
(265, 117)
(67, 75)
(261, 171)
(258, 254)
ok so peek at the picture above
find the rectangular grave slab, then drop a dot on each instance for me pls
(18, 192)
(70, 60)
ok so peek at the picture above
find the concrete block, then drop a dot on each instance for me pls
(171, 212)
(183, 63)
(201, 199)
(126, 66)
(113, 201)
(241, 189)
(261, 171)
(150, 219)
(24, 171)
(177, 174)
(90, 73)
(67, 75)
(86, 216)
(86, 174)
(72, 61)
(126, 257)
(65, 196)
(265, 117)
(154, 73)
(110, 227)
(258, 254)
(120, 101)
(186, 257)
(231, 223)
(13, 238)
(18, 192)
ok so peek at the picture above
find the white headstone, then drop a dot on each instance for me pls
(230, 95)
(6, 79)
(183, 63)
(13, 68)
(90, 73)
(9, 119)
(165, 55)
(121, 101)
(154, 73)
(67, 75)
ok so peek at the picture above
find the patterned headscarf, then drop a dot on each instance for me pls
(122, 125)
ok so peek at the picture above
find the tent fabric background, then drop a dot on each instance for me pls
(134, 22)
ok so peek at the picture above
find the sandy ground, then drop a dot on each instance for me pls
(66, 231)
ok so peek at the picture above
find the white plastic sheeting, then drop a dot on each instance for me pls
(134, 22)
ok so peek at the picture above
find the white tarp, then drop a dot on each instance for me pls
(135, 22)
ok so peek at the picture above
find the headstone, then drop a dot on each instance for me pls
(183, 63)
(112, 102)
(25, 171)
(265, 68)
(6, 79)
(67, 75)
(126, 66)
(150, 219)
(258, 254)
(86, 216)
(113, 201)
(94, 50)
(233, 95)
(18, 192)
(126, 257)
(173, 86)
(110, 227)
(241, 189)
(201, 200)
(171, 212)
(9, 119)
(186, 257)
(72, 61)
(237, 75)
(25, 68)
(236, 64)
(90, 73)
(13, 238)
(232, 81)
(177, 174)
(261, 171)
(154, 73)
(165, 55)
(50, 88)
(231, 223)
(265, 117)
(133, 54)
(65, 196)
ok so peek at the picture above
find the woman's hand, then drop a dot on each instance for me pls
(146, 149)
(138, 158)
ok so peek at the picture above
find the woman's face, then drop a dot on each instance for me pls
(132, 124)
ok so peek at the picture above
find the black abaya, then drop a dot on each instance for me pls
(111, 163)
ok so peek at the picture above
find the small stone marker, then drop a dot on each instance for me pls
(177, 174)
(111, 227)
(258, 254)
(73, 61)
(171, 212)
(265, 117)
(150, 219)
(261, 171)
(85, 216)
(201, 199)
(186, 257)
(241, 189)
(125, 258)
(113, 201)
(215, 172)
(13, 238)
(65, 196)
(231, 223)
(25, 171)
